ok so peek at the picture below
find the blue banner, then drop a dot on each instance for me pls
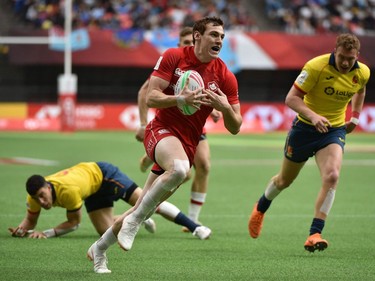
(79, 40)
(129, 38)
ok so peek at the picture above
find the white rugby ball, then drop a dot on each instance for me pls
(195, 82)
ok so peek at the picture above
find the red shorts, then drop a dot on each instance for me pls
(153, 134)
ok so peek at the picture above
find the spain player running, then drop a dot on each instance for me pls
(320, 96)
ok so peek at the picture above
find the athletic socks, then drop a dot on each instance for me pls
(263, 204)
(197, 200)
(183, 220)
(317, 226)
(270, 193)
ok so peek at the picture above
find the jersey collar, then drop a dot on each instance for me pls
(332, 62)
(53, 192)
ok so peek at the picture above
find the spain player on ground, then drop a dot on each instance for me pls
(97, 185)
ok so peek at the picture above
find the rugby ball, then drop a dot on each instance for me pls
(195, 82)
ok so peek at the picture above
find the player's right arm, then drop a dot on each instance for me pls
(72, 224)
(157, 99)
(143, 110)
(294, 100)
(26, 226)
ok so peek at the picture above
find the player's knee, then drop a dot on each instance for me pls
(180, 171)
(203, 168)
(331, 178)
(282, 183)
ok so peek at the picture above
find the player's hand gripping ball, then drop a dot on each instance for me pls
(195, 82)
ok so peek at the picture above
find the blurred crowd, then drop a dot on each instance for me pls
(323, 16)
(122, 14)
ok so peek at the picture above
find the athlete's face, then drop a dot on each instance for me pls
(210, 43)
(345, 59)
(186, 41)
(44, 197)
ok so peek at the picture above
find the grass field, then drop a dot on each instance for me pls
(241, 168)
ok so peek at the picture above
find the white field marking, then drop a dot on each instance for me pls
(271, 162)
(28, 161)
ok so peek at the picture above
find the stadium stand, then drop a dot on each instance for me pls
(322, 16)
(115, 14)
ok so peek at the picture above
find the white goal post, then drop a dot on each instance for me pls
(67, 82)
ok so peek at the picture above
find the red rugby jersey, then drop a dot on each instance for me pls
(171, 65)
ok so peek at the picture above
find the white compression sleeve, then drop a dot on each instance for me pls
(271, 191)
(328, 201)
(162, 186)
(106, 240)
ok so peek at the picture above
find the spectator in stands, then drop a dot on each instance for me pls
(322, 16)
(131, 14)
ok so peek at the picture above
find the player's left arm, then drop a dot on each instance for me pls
(72, 224)
(357, 105)
(231, 112)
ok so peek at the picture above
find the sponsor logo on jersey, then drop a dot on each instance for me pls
(329, 91)
(302, 77)
(163, 131)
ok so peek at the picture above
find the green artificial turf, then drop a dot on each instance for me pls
(241, 168)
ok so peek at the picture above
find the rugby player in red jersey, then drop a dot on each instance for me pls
(171, 138)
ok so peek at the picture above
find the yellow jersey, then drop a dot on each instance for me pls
(71, 186)
(327, 91)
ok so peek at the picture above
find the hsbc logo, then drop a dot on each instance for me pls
(367, 119)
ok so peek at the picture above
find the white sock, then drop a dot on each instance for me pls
(106, 240)
(197, 199)
(271, 191)
(169, 210)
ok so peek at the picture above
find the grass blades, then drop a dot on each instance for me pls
(241, 167)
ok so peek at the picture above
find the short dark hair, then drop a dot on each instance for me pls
(187, 30)
(34, 183)
(201, 24)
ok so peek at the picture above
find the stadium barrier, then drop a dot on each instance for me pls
(257, 117)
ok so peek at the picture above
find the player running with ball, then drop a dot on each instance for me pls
(171, 138)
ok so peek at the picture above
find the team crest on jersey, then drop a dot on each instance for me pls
(355, 79)
(213, 86)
